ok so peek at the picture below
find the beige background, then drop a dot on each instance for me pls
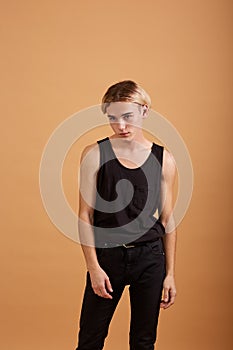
(59, 57)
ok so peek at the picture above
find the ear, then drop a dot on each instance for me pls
(145, 111)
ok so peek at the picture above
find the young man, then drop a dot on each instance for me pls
(123, 242)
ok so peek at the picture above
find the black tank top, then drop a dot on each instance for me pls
(127, 198)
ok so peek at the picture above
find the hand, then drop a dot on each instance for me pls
(169, 292)
(100, 283)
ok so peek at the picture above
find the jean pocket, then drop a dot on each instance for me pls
(156, 248)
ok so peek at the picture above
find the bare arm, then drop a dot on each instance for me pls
(167, 219)
(88, 169)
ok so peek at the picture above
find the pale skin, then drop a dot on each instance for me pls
(131, 149)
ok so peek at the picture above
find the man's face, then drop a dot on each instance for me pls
(125, 118)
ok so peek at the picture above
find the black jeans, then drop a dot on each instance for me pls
(143, 269)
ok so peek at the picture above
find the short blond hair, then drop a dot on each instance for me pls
(125, 91)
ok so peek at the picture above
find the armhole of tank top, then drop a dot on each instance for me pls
(161, 152)
(100, 154)
(158, 152)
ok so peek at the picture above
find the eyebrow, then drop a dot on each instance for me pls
(124, 114)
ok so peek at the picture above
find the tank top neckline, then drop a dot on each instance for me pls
(123, 166)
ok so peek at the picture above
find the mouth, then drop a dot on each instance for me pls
(124, 134)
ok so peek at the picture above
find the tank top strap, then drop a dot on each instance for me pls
(106, 152)
(157, 151)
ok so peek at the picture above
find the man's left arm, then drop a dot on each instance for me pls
(167, 219)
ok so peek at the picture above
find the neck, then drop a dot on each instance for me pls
(136, 143)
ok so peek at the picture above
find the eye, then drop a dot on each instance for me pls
(128, 116)
(111, 118)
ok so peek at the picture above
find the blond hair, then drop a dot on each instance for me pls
(125, 91)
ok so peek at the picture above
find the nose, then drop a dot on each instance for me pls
(121, 124)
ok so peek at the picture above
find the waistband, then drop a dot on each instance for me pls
(126, 245)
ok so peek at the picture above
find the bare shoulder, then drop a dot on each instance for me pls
(90, 148)
(169, 165)
(90, 156)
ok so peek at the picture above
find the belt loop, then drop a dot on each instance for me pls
(129, 245)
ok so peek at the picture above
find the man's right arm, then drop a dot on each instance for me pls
(89, 164)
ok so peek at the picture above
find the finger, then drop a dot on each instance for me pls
(162, 304)
(166, 295)
(105, 294)
(108, 285)
(102, 292)
(172, 299)
(170, 302)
